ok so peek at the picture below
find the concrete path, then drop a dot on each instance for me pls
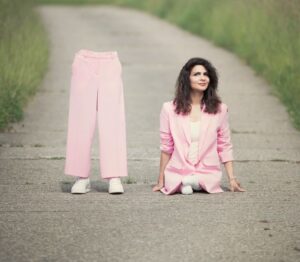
(41, 221)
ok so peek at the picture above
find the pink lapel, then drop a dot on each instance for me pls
(186, 127)
(205, 124)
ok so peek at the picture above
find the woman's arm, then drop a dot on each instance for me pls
(164, 159)
(166, 145)
(225, 150)
(234, 184)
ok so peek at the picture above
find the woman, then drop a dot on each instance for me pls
(195, 134)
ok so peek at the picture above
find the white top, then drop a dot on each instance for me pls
(194, 147)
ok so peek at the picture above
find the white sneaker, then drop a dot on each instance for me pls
(195, 185)
(191, 180)
(186, 190)
(187, 180)
(81, 186)
(115, 186)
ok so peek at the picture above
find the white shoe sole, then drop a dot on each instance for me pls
(81, 191)
(186, 190)
(118, 189)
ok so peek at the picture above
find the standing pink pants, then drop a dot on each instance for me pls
(96, 94)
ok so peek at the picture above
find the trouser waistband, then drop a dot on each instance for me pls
(91, 53)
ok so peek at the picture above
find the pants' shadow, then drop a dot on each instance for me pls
(97, 186)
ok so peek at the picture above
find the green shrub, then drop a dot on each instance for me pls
(23, 57)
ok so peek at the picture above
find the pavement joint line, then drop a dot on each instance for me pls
(153, 159)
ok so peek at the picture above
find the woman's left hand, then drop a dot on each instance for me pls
(235, 186)
(158, 187)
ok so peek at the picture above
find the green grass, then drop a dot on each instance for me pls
(265, 33)
(23, 57)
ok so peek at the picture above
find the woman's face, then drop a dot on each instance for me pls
(199, 79)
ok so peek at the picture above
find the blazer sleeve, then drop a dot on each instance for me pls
(166, 139)
(224, 145)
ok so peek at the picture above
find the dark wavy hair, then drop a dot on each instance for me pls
(182, 100)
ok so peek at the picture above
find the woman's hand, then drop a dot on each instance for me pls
(158, 187)
(164, 159)
(235, 186)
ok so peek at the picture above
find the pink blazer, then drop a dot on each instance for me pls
(214, 147)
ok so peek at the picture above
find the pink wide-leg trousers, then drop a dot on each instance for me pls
(96, 94)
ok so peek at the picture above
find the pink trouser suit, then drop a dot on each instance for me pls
(214, 147)
(96, 94)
